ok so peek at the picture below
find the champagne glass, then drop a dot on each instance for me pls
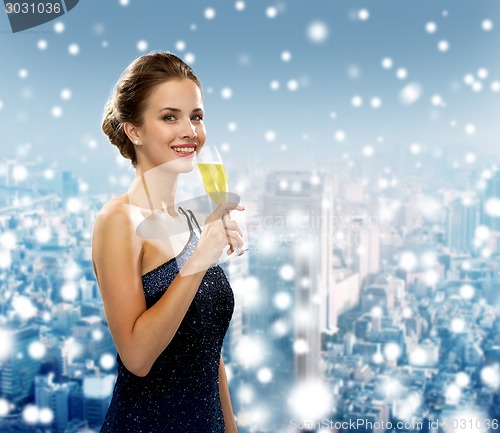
(214, 178)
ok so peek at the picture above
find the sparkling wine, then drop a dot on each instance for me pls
(213, 176)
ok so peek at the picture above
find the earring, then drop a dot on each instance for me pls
(136, 142)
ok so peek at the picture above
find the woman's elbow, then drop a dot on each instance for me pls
(137, 367)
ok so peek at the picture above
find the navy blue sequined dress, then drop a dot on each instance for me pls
(181, 392)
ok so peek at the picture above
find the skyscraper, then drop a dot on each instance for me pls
(293, 201)
(492, 192)
(462, 220)
(19, 370)
(69, 185)
(363, 246)
(55, 397)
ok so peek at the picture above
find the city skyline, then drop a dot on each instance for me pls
(390, 295)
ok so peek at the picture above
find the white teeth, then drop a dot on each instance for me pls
(184, 150)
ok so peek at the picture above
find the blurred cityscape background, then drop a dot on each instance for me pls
(363, 139)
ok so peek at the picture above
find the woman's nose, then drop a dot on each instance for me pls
(188, 130)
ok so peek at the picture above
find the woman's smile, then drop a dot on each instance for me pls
(185, 150)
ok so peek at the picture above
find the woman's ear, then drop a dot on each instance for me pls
(132, 133)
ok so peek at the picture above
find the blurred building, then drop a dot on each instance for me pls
(462, 220)
(18, 371)
(295, 198)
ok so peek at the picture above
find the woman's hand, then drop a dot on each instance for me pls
(218, 232)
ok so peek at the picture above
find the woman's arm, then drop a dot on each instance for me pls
(225, 400)
(141, 334)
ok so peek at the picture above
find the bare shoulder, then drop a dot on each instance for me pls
(116, 249)
(113, 224)
(115, 215)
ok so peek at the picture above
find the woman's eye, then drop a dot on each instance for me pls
(197, 117)
(169, 117)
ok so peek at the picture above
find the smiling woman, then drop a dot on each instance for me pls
(167, 306)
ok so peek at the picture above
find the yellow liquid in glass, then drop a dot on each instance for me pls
(214, 180)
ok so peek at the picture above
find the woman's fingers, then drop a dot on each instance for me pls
(224, 209)
(235, 237)
(230, 224)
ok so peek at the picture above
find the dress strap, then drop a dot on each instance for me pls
(190, 219)
(193, 219)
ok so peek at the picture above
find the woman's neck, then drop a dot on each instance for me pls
(154, 189)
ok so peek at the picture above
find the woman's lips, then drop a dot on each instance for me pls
(185, 150)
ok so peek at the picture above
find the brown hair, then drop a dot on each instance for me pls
(127, 103)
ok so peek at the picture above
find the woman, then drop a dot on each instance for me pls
(167, 306)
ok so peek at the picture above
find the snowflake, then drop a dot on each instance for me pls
(470, 129)
(443, 46)
(57, 111)
(376, 102)
(363, 14)
(66, 94)
(357, 101)
(487, 25)
(286, 56)
(271, 12)
(142, 45)
(293, 85)
(209, 13)
(411, 93)
(431, 27)
(387, 63)
(340, 136)
(402, 73)
(73, 49)
(226, 93)
(264, 375)
(180, 45)
(317, 32)
(42, 44)
(107, 361)
(37, 350)
(59, 27)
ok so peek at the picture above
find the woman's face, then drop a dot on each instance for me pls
(173, 129)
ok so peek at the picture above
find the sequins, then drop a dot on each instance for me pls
(181, 392)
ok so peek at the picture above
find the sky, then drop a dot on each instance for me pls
(287, 84)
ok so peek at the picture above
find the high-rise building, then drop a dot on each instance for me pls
(55, 397)
(344, 295)
(294, 200)
(462, 220)
(363, 246)
(19, 370)
(69, 185)
(97, 393)
(491, 193)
